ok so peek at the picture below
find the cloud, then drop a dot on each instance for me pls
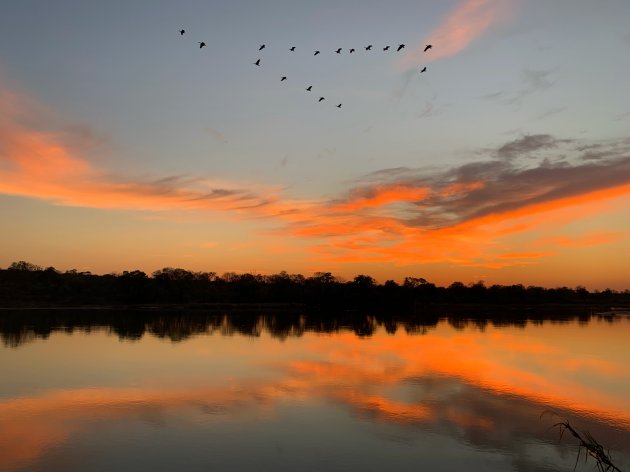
(533, 81)
(492, 96)
(467, 22)
(526, 145)
(49, 166)
(217, 135)
(585, 240)
(551, 112)
(463, 215)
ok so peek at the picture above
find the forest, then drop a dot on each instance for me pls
(24, 284)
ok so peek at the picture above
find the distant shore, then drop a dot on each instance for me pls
(24, 285)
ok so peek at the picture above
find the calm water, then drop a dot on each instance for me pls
(199, 393)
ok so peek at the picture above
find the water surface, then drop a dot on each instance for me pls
(162, 392)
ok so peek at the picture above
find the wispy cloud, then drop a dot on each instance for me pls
(532, 81)
(46, 165)
(217, 135)
(525, 145)
(468, 21)
(551, 112)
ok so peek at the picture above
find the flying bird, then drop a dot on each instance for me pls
(181, 32)
(351, 50)
(257, 62)
(368, 48)
(424, 69)
(427, 47)
(316, 53)
(283, 79)
(339, 106)
(262, 46)
(338, 51)
(292, 48)
(320, 99)
(308, 89)
(386, 48)
(201, 44)
(400, 46)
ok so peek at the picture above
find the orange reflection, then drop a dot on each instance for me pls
(547, 374)
(441, 377)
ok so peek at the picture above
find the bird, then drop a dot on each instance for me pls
(292, 48)
(367, 48)
(308, 89)
(338, 51)
(386, 48)
(181, 32)
(400, 46)
(351, 50)
(201, 44)
(427, 47)
(262, 46)
(339, 106)
(257, 62)
(283, 79)
(320, 99)
(316, 53)
(424, 69)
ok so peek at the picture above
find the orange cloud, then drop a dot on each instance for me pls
(587, 240)
(464, 216)
(469, 20)
(382, 195)
(41, 165)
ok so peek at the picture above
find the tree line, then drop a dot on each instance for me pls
(26, 284)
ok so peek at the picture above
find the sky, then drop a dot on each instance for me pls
(123, 145)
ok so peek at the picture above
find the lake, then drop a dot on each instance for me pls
(109, 390)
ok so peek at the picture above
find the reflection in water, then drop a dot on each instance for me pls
(335, 394)
(22, 326)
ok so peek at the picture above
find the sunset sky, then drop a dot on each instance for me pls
(124, 146)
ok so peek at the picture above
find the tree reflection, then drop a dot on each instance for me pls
(18, 327)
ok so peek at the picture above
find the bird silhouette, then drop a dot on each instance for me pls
(181, 32)
(351, 50)
(338, 51)
(257, 62)
(201, 44)
(316, 53)
(427, 47)
(320, 99)
(400, 46)
(262, 46)
(424, 69)
(292, 48)
(309, 88)
(339, 106)
(368, 48)
(283, 79)
(386, 48)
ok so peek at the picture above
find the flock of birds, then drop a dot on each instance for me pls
(202, 44)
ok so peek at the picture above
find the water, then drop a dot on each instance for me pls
(125, 391)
